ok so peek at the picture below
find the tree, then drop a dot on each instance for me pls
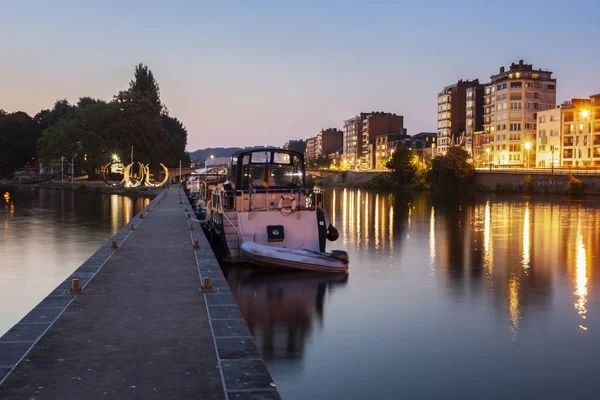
(178, 134)
(46, 118)
(403, 167)
(319, 162)
(451, 169)
(18, 134)
(144, 83)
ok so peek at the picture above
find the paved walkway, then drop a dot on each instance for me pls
(140, 330)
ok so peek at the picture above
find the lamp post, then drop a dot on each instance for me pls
(487, 150)
(528, 147)
(552, 163)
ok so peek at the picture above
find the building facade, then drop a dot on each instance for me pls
(353, 141)
(548, 139)
(511, 102)
(473, 118)
(580, 128)
(451, 113)
(312, 147)
(329, 141)
(378, 124)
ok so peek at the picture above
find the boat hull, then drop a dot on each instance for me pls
(295, 259)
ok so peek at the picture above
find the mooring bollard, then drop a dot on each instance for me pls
(196, 245)
(142, 216)
(206, 284)
(131, 227)
(185, 209)
(191, 227)
(113, 244)
(75, 286)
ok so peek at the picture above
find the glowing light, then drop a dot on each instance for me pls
(377, 221)
(581, 279)
(212, 156)
(527, 145)
(432, 239)
(513, 307)
(116, 158)
(7, 197)
(584, 114)
(526, 240)
(487, 240)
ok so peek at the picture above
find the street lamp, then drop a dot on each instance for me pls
(487, 150)
(528, 147)
(212, 156)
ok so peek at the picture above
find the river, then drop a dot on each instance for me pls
(447, 297)
(45, 235)
(476, 297)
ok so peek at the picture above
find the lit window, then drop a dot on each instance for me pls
(518, 75)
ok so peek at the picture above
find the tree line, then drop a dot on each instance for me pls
(92, 130)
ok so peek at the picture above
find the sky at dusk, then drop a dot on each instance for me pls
(257, 72)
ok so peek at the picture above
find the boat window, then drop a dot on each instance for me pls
(261, 157)
(281, 158)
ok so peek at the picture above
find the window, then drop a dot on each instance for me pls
(515, 127)
(530, 126)
(543, 133)
(542, 148)
(551, 87)
(543, 118)
(585, 140)
(515, 85)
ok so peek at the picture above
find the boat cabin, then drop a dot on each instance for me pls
(258, 178)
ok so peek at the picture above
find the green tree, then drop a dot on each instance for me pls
(46, 118)
(319, 162)
(451, 169)
(403, 166)
(18, 134)
(178, 134)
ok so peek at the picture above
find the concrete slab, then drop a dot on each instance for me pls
(244, 374)
(24, 332)
(254, 395)
(237, 348)
(225, 312)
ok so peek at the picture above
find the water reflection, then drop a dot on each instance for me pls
(581, 279)
(45, 235)
(493, 283)
(281, 309)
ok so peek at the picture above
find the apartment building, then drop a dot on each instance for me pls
(377, 124)
(580, 129)
(473, 119)
(353, 140)
(329, 141)
(312, 147)
(451, 112)
(384, 148)
(548, 139)
(512, 100)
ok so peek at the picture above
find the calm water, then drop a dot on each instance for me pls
(45, 235)
(486, 297)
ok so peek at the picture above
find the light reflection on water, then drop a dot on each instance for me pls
(45, 235)
(446, 298)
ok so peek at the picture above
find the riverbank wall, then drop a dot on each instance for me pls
(91, 187)
(528, 182)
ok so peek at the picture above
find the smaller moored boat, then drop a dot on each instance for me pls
(297, 259)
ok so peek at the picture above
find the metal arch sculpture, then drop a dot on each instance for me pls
(129, 182)
(104, 169)
(128, 178)
(154, 184)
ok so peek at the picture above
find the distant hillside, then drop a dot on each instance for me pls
(204, 154)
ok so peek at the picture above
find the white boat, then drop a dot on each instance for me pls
(300, 259)
(265, 213)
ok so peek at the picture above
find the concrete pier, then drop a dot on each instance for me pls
(142, 326)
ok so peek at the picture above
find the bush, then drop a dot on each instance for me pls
(574, 186)
(382, 182)
(451, 169)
